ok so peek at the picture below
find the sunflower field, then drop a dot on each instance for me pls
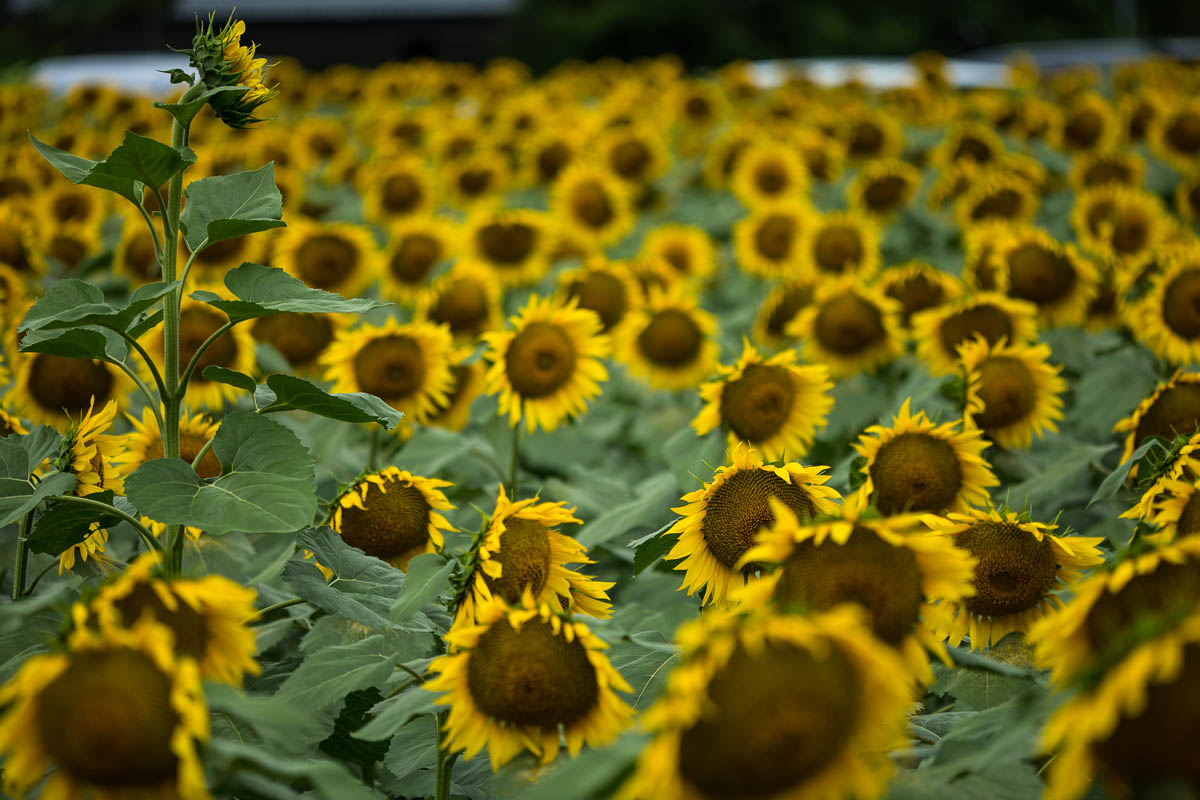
(437, 431)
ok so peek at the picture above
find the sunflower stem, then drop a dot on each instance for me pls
(186, 377)
(38, 579)
(147, 535)
(22, 561)
(445, 760)
(282, 604)
(514, 462)
(202, 453)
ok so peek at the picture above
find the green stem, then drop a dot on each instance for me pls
(147, 535)
(203, 452)
(22, 562)
(186, 377)
(187, 268)
(151, 400)
(373, 450)
(154, 373)
(445, 761)
(45, 570)
(153, 233)
(282, 604)
(514, 462)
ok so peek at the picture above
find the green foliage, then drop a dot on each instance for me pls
(226, 206)
(19, 456)
(362, 589)
(64, 524)
(261, 291)
(138, 161)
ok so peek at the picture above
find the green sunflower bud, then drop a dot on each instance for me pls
(221, 60)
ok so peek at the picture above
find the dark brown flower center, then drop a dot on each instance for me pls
(1040, 275)
(551, 160)
(392, 367)
(68, 249)
(916, 293)
(775, 236)
(1175, 411)
(602, 293)
(531, 676)
(402, 194)
(915, 472)
(1181, 304)
(848, 324)
(678, 256)
(1003, 203)
(885, 193)
(58, 383)
(299, 338)
(393, 526)
(507, 244)
(882, 578)
(138, 255)
(591, 205)
(1170, 592)
(13, 250)
(672, 339)
(1015, 571)
(739, 508)
(476, 181)
(982, 320)
(795, 297)
(1083, 129)
(415, 256)
(524, 557)
(195, 326)
(540, 360)
(325, 260)
(187, 625)
(838, 248)
(107, 720)
(770, 178)
(866, 140)
(698, 109)
(463, 305)
(461, 375)
(1008, 392)
(1183, 133)
(775, 719)
(1103, 172)
(630, 159)
(71, 206)
(757, 405)
(974, 149)
(189, 447)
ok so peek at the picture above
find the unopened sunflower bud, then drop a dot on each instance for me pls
(223, 61)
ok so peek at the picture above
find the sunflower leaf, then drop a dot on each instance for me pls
(328, 780)
(392, 714)
(65, 524)
(285, 726)
(593, 773)
(649, 549)
(85, 342)
(326, 676)
(230, 377)
(362, 589)
(654, 497)
(18, 495)
(267, 483)
(227, 206)
(292, 393)
(137, 161)
(428, 576)
(71, 303)
(261, 291)
(1116, 479)
(186, 112)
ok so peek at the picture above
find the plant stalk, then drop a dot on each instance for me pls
(445, 761)
(22, 562)
(514, 462)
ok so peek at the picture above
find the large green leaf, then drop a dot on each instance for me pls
(285, 726)
(89, 342)
(263, 773)
(363, 588)
(267, 483)
(327, 676)
(18, 493)
(64, 524)
(228, 206)
(186, 112)
(71, 303)
(137, 161)
(291, 393)
(649, 509)
(428, 576)
(394, 713)
(267, 290)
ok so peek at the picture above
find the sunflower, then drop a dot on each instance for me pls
(521, 553)
(1120, 224)
(516, 243)
(778, 706)
(1121, 167)
(466, 300)
(66, 247)
(824, 155)
(968, 141)
(469, 382)
(407, 366)
(915, 465)
(688, 249)
(135, 255)
(520, 678)
(773, 404)
(1167, 318)
(118, 715)
(14, 299)
(637, 153)
(882, 188)
(1089, 125)
(669, 341)
(608, 288)
(698, 106)
(547, 152)
(918, 286)
(769, 172)
(849, 327)
(1175, 134)
(723, 153)
(781, 306)
(891, 567)
(1175, 509)
(870, 134)
(96, 459)
(548, 365)
(17, 239)
(1013, 393)
(769, 241)
(396, 187)
(1020, 567)
(299, 337)
(719, 521)
(416, 246)
(1172, 409)
(234, 350)
(476, 181)
(996, 195)
(393, 515)
(53, 390)
(334, 256)
(1187, 197)
(73, 204)
(840, 244)
(939, 331)
(591, 204)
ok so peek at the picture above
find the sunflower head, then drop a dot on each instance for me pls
(918, 286)
(95, 457)
(1090, 124)
(1167, 318)
(781, 306)
(687, 249)
(53, 389)
(336, 257)
(768, 172)
(1100, 169)
(222, 60)
(592, 204)
(516, 244)
(669, 341)
(520, 677)
(1175, 133)
(850, 327)
(466, 300)
(416, 246)
(1013, 392)
(882, 188)
(299, 337)
(841, 244)
(940, 331)
(1172, 409)
(393, 515)
(768, 241)
(397, 188)
(998, 195)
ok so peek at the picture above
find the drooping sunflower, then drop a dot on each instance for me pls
(1122, 167)
(1174, 475)
(516, 243)
(522, 678)
(234, 349)
(1020, 567)
(393, 515)
(849, 327)
(299, 337)
(416, 246)
(882, 188)
(608, 288)
(916, 465)
(768, 172)
(669, 341)
(397, 187)
(466, 300)
(52, 390)
(408, 366)
(1172, 409)
(548, 365)
(940, 330)
(720, 520)
(780, 307)
(996, 195)
(775, 706)
(1167, 318)
(918, 286)
(591, 204)
(773, 404)
(1013, 391)
(840, 244)
(334, 256)
(117, 715)
(769, 241)
(96, 459)
(208, 617)
(902, 576)
(522, 553)
(688, 249)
